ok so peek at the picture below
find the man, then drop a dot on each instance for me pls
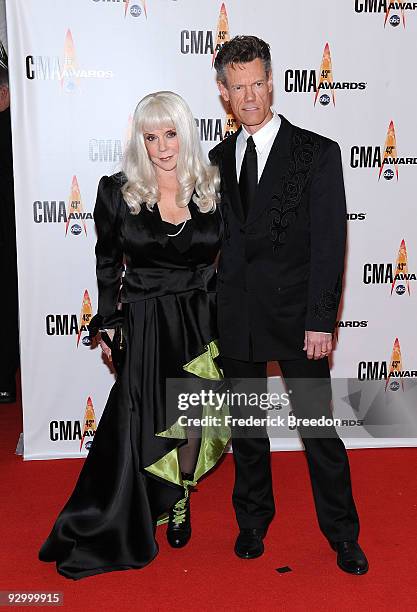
(279, 285)
(9, 348)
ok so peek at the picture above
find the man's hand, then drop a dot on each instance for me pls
(317, 344)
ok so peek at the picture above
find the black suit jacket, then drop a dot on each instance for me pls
(280, 270)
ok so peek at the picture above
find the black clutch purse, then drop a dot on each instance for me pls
(117, 346)
(118, 349)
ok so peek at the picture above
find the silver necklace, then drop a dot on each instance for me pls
(179, 231)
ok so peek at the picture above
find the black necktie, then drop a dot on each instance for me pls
(248, 180)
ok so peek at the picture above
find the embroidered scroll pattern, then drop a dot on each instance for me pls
(304, 151)
(328, 301)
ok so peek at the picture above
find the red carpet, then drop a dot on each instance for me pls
(206, 575)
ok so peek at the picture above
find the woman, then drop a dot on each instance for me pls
(159, 216)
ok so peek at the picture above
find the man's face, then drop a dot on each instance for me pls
(248, 88)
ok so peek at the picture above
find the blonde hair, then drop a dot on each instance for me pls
(156, 111)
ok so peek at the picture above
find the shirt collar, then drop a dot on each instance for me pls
(266, 133)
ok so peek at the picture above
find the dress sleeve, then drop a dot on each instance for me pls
(328, 239)
(109, 255)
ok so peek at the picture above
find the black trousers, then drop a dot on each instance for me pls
(327, 460)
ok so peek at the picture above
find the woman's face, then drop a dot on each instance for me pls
(162, 147)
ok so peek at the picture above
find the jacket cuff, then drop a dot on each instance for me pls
(98, 322)
(313, 324)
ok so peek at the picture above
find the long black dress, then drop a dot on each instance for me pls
(131, 476)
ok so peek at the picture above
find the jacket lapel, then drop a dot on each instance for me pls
(229, 175)
(275, 168)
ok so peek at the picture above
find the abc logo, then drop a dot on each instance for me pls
(86, 341)
(135, 10)
(76, 229)
(388, 174)
(88, 445)
(400, 289)
(394, 20)
(394, 386)
(69, 86)
(324, 100)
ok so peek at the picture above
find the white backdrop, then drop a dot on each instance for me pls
(77, 71)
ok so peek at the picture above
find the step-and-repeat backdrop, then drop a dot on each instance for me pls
(78, 69)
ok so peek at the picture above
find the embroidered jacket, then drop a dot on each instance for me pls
(281, 268)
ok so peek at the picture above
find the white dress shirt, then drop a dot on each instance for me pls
(263, 140)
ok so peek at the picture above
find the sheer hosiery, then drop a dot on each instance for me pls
(188, 453)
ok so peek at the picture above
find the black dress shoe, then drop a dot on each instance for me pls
(249, 543)
(179, 523)
(7, 397)
(350, 557)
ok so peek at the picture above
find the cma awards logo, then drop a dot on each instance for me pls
(356, 216)
(322, 84)
(130, 8)
(105, 150)
(353, 324)
(84, 430)
(72, 213)
(110, 149)
(203, 42)
(65, 70)
(213, 130)
(386, 160)
(398, 275)
(70, 324)
(394, 12)
(392, 371)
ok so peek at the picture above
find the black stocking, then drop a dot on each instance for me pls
(188, 455)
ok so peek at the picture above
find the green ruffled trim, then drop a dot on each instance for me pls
(213, 439)
(204, 365)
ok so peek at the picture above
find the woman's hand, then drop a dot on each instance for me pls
(106, 349)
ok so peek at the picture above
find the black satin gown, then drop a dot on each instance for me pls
(131, 476)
